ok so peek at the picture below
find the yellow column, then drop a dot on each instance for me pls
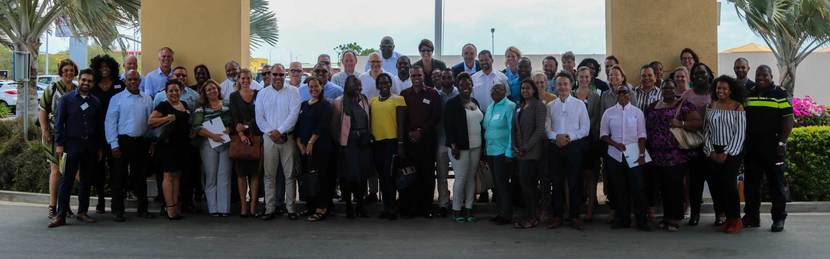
(209, 32)
(641, 31)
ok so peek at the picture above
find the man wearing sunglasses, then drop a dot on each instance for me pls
(295, 74)
(229, 85)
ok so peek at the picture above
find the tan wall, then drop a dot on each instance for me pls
(810, 79)
(209, 32)
(640, 31)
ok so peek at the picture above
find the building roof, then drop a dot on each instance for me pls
(748, 48)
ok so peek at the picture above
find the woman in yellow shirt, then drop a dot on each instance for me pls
(387, 120)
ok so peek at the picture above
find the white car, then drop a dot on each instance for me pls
(8, 94)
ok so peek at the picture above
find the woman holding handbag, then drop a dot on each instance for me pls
(171, 119)
(669, 160)
(246, 144)
(351, 128)
(314, 143)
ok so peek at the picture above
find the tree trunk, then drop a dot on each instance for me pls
(21, 106)
(787, 71)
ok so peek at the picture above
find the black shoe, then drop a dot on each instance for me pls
(361, 212)
(119, 217)
(502, 221)
(100, 208)
(293, 216)
(281, 211)
(619, 225)
(393, 216)
(442, 212)
(484, 197)
(384, 215)
(694, 220)
(69, 213)
(644, 227)
(751, 222)
(372, 198)
(428, 215)
(145, 214)
(267, 217)
(719, 222)
(777, 226)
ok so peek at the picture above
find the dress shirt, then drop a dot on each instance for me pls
(367, 82)
(127, 115)
(644, 98)
(77, 118)
(330, 91)
(626, 133)
(228, 86)
(569, 117)
(423, 109)
(340, 78)
(483, 83)
(398, 85)
(498, 125)
(154, 82)
(189, 97)
(277, 109)
(389, 64)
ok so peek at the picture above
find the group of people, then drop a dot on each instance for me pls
(395, 130)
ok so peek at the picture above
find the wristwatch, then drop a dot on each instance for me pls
(782, 143)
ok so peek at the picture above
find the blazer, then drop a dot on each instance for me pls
(458, 68)
(341, 123)
(529, 129)
(455, 124)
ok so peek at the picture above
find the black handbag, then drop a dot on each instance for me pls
(310, 179)
(404, 172)
(161, 134)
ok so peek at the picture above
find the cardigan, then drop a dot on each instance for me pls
(455, 124)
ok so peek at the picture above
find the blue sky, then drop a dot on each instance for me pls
(535, 26)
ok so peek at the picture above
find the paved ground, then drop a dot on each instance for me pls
(23, 234)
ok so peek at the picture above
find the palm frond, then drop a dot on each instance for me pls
(264, 28)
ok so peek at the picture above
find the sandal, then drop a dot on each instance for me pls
(316, 217)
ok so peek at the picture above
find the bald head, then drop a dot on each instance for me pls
(130, 63)
(387, 47)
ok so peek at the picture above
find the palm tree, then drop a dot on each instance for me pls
(791, 28)
(264, 28)
(23, 23)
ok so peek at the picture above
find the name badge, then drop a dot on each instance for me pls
(117, 86)
(84, 106)
(496, 116)
(426, 101)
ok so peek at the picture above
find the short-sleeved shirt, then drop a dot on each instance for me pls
(180, 130)
(384, 116)
(51, 98)
(764, 111)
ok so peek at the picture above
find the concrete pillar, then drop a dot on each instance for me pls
(641, 31)
(209, 32)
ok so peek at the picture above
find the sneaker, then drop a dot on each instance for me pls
(52, 212)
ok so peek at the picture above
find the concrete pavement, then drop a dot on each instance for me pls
(23, 234)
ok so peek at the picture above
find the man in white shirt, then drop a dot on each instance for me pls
(401, 80)
(229, 85)
(348, 60)
(295, 72)
(623, 128)
(276, 109)
(484, 80)
(567, 126)
(390, 56)
(367, 80)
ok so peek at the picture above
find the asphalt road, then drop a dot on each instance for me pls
(23, 234)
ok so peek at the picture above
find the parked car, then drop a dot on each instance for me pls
(8, 94)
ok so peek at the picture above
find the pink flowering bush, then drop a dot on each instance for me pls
(809, 113)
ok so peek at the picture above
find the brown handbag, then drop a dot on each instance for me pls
(241, 151)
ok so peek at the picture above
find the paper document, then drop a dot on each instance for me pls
(216, 126)
(632, 154)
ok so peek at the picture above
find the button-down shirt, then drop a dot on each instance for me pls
(644, 98)
(340, 78)
(127, 115)
(423, 109)
(229, 86)
(498, 125)
(77, 118)
(399, 85)
(189, 97)
(514, 86)
(625, 125)
(483, 83)
(569, 118)
(154, 82)
(330, 91)
(367, 82)
(389, 64)
(277, 109)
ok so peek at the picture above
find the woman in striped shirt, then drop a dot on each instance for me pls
(725, 128)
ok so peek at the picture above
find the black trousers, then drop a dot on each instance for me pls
(103, 168)
(383, 152)
(700, 172)
(191, 181)
(422, 155)
(671, 183)
(651, 185)
(756, 167)
(627, 186)
(529, 180)
(724, 176)
(501, 185)
(130, 168)
(566, 168)
(80, 159)
(318, 161)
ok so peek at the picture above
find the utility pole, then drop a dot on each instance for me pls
(493, 39)
(439, 28)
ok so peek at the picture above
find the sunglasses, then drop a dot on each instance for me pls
(426, 50)
(321, 71)
(266, 73)
(278, 74)
(326, 62)
(296, 70)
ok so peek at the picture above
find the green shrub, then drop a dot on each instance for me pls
(808, 163)
(23, 165)
(5, 111)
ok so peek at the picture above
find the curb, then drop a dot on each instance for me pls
(485, 208)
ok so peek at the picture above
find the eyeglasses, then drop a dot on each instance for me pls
(326, 62)
(295, 70)
(426, 50)
(321, 71)
(374, 61)
(266, 73)
(278, 74)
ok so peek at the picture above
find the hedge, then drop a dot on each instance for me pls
(23, 164)
(808, 163)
